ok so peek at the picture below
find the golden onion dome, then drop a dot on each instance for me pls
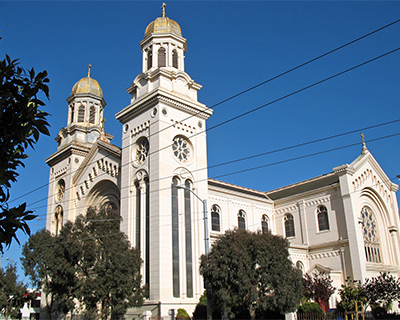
(87, 86)
(163, 25)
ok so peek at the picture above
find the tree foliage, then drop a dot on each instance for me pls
(21, 123)
(382, 290)
(351, 293)
(109, 268)
(12, 292)
(253, 272)
(318, 286)
(50, 262)
(91, 262)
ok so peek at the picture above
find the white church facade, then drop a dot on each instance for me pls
(344, 222)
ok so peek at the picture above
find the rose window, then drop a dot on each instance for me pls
(142, 150)
(181, 148)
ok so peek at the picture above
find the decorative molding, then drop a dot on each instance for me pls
(140, 128)
(318, 201)
(183, 126)
(60, 172)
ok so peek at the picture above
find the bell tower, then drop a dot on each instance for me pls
(164, 145)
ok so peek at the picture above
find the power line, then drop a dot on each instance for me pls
(276, 100)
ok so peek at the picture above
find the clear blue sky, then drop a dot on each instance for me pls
(231, 46)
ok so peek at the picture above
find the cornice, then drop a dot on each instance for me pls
(159, 95)
(67, 151)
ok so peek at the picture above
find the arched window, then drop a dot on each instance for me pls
(188, 239)
(300, 266)
(162, 57)
(264, 224)
(289, 225)
(242, 220)
(175, 237)
(92, 114)
(58, 217)
(175, 58)
(323, 221)
(215, 218)
(81, 113)
(72, 113)
(149, 58)
(370, 235)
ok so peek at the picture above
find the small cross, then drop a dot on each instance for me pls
(362, 137)
(102, 123)
(88, 73)
(163, 9)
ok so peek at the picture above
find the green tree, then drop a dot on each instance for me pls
(351, 294)
(21, 122)
(382, 290)
(50, 262)
(12, 292)
(318, 287)
(251, 271)
(182, 314)
(109, 269)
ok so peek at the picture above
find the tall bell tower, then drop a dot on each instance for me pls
(164, 145)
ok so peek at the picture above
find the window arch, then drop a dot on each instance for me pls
(215, 218)
(264, 224)
(242, 220)
(92, 114)
(370, 235)
(323, 220)
(81, 113)
(289, 225)
(175, 237)
(162, 57)
(58, 217)
(175, 58)
(72, 113)
(149, 58)
(300, 266)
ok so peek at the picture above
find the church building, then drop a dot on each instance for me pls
(344, 223)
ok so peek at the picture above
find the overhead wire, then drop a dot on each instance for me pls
(255, 109)
(261, 166)
(264, 82)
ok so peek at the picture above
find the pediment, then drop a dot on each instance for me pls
(101, 163)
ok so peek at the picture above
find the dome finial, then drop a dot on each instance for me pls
(88, 72)
(163, 9)
(364, 146)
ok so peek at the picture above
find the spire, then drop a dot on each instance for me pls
(88, 72)
(364, 146)
(163, 9)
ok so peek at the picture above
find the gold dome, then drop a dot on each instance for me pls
(163, 25)
(87, 86)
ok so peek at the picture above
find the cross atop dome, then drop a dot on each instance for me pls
(163, 9)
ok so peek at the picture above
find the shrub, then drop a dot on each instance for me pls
(310, 307)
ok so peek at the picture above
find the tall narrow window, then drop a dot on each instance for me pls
(175, 238)
(147, 251)
(264, 224)
(370, 235)
(323, 221)
(242, 220)
(175, 58)
(188, 240)
(289, 225)
(138, 214)
(162, 57)
(58, 215)
(149, 58)
(92, 114)
(81, 114)
(215, 218)
(72, 113)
